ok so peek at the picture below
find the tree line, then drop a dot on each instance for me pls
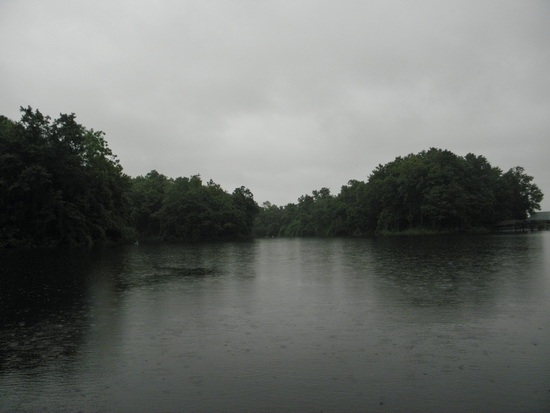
(60, 184)
(432, 191)
(166, 209)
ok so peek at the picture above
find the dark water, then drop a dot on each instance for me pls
(399, 324)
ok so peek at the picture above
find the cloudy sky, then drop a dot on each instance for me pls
(285, 97)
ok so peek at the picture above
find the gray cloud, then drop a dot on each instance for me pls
(287, 96)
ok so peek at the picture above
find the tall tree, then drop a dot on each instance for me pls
(519, 196)
(61, 184)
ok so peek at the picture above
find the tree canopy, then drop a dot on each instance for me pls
(60, 184)
(167, 209)
(433, 190)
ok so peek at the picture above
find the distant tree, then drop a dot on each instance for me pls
(519, 197)
(269, 220)
(317, 215)
(434, 190)
(246, 211)
(146, 198)
(439, 190)
(353, 203)
(184, 209)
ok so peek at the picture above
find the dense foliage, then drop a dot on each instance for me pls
(186, 209)
(59, 183)
(432, 191)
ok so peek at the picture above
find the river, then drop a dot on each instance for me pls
(398, 324)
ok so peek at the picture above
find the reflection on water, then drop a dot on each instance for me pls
(385, 324)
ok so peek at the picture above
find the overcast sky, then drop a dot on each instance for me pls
(285, 97)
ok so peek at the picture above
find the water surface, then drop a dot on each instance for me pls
(387, 324)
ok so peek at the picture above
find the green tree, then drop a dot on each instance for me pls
(519, 196)
(184, 209)
(61, 184)
(246, 211)
(439, 190)
(434, 190)
(146, 199)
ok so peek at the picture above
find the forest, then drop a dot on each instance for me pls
(434, 191)
(61, 185)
